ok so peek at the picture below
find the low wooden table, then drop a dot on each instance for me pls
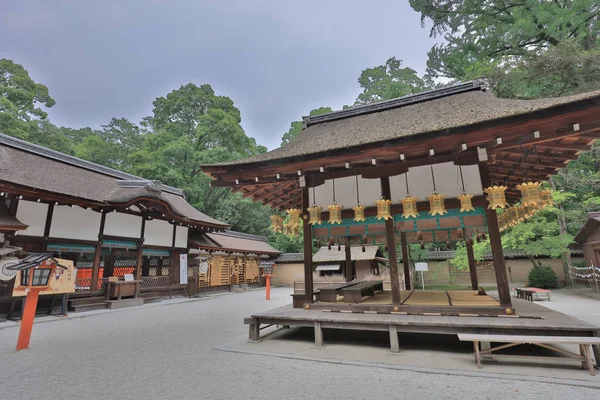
(121, 289)
(329, 294)
(354, 293)
(546, 342)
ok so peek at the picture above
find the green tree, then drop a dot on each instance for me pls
(286, 244)
(490, 33)
(461, 261)
(20, 100)
(296, 126)
(389, 81)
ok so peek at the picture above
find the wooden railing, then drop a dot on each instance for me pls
(155, 282)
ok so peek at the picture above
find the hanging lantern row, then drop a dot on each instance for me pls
(514, 215)
(359, 210)
(383, 209)
(276, 223)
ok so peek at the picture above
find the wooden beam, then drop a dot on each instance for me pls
(472, 266)
(496, 244)
(391, 245)
(48, 224)
(565, 146)
(405, 261)
(308, 267)
(348, 254)
(586, 128)
(530, 163)
(532, 156)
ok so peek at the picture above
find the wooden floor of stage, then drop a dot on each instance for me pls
(530, 319)
(431, 298)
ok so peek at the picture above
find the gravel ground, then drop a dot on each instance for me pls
(166, 352)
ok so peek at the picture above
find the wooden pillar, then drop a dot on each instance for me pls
(391, 243)
(348, 250)
(174, 268)
(159, 266)
(96, 267)
(472, 266)
(405, 261)
(495, 241)
(138, 262)
(308, 264)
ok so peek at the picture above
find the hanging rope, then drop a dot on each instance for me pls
(406, 179)
(357, 190)
(333, 183)
(461, 177)
(314, 197)
(433, 178)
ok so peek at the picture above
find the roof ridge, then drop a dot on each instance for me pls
(77, 162)
(478, 84)
(241, 235)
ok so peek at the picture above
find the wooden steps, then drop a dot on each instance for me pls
(124, 303)
(87, 304)
(151, 297)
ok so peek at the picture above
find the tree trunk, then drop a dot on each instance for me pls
(562, 224)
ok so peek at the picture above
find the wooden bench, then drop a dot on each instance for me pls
(298, 299)
(329, 294)
(532, 294)
(547, 342)
(355, 293)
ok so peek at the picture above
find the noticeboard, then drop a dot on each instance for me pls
(62, 281)
(421, 266)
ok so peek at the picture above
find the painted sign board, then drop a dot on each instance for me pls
(63, 280)
(183, 269)
(421, 266)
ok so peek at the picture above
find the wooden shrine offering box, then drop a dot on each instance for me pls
(119, 289)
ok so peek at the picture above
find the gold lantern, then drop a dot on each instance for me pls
(359, 213)
(465, 198)
(436, 200)
(383, 209)
(335, 213)
(314, 213)
(530, 193)
(409, 203)
(546, 198)
(294, 230)
(436, 204)
(465, 202)
(276, 223)
(294, 214)
(496, 196)
(409, 207)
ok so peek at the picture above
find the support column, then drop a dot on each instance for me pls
(348, 259)
(174, 268)
(405, 261)
(472, 266)
(308, 264)
(494, 234)
(391, 243)
(96, 268)
(138, 263)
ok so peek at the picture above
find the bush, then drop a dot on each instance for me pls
(543, 277)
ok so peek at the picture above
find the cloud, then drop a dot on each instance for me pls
(276, 59)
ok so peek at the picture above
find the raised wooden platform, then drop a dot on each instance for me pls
(531, 319)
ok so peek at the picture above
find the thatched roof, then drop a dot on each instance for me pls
(591, 225)
(434, 111)
(232, 241)
(43, 169)
(356, 254)
(9, 222)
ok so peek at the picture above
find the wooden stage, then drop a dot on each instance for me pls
(530, 319)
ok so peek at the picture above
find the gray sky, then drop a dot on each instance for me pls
(277, 60)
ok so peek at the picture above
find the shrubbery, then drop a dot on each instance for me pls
(543, 277)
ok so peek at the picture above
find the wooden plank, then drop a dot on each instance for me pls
(472, 266)
(528, 339)
(348, 260)
(394, 343)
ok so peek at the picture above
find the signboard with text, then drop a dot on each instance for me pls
(62, 281)
(183, 269)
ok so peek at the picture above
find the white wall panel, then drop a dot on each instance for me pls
(126, 225)
(181, 237)
(34, 215)
(158, 233)
(75, 223)
(447, 180)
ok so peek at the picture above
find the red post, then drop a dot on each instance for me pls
(268, 286)
(27, 320)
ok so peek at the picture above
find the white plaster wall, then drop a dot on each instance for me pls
(34, 215)
(447, 179)
(181, 237)
(126, 225)
(75, 223)
(158, 233)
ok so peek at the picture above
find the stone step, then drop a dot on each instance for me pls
(124, 303)
(90, 307)
(149, 300)
(85, 300)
